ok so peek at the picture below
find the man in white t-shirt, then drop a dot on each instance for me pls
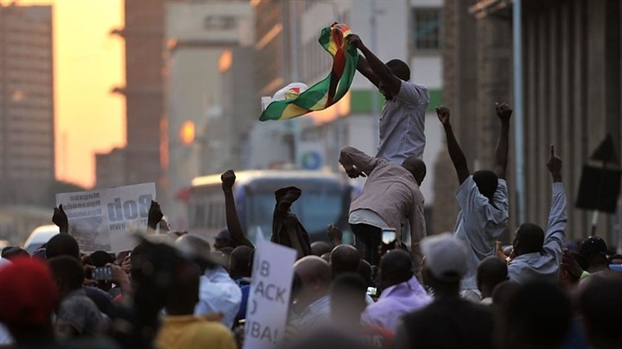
(482, 197)
(402, 120)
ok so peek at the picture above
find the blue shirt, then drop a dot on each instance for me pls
(544, 266)
(479, 224)
(402, 124)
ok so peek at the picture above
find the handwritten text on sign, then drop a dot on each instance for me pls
(268, 303)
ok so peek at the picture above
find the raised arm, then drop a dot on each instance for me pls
(455, 152)
(353, 159)
(556, 230)
(363, 67)
(384, 74)
(233, 222)
(501, 154)
(60, 219)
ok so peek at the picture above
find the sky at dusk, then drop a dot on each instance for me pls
(88, 63)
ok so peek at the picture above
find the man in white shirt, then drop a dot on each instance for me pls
(536, 256)
(402, 120)
(482, 197)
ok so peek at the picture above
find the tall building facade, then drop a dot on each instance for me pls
(201, 38)
(26, 103)
(571, 87)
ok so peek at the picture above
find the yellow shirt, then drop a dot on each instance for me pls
(189, 331)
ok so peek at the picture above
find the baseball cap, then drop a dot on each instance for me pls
(445, 256)
(28, 293)
(593, 245)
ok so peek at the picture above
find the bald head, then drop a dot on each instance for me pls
(344, 259)
(318, 248)
(314, 274)
(415, 166)
(239, 262)
(395, 268)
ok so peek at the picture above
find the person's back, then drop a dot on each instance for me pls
(449, 323)
(189, 331)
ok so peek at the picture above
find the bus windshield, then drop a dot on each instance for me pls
(316, 208)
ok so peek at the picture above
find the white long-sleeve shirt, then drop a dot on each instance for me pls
(544, 266)
(218, 293)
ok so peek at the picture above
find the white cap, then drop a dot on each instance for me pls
(445, 256)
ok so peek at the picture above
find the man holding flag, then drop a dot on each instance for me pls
(402, 120)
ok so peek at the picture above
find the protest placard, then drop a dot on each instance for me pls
(268, 300)
(105, 219)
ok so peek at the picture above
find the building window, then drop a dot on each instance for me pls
(219, 22)
(427, 29)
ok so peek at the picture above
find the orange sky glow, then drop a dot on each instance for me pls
(88, 62)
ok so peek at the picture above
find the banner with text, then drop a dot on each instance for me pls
(105, 219)
(268, 300)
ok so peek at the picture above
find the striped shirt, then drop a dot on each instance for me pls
(402, 124)
(315, 314)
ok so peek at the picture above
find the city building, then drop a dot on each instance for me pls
(202, 37)
(571, 86)
(26, 103)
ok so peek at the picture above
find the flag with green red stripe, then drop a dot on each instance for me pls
(328, 91)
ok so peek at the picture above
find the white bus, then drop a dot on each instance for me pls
(325, 200)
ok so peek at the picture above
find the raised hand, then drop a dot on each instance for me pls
(228, 179)
(60, 219)
(503, 111)
(354, 40)
(443, 115)
(155, 215)
(554, 164)
(335, 235)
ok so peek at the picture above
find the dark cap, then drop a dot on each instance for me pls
(594, 245)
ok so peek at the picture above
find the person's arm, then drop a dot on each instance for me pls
(385, 75)
(155, 215)
(233, 221)
(556, 230)
(417, 232)
(60, 219)
(351, 157)
(363, 67)
(455, 152)
(501, 153)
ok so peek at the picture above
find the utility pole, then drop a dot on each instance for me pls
(518, 107)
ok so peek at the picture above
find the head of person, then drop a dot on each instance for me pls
(400, 70)
(486, 182)
(365, 272)
(185, 289)
(504, 291)
(416, 167)
(318, 248)
(347, 295)
(491, 272)
(62, 245)
(600, 304)
(538, 316)
(445, 261)
(344, 259)
(395, 267)
(223, 239)
(28, 297)
(594, 251)
(13, 252)
(315, 276)
(240, 262)
(68, 273)
(196, 248)
(529, 238)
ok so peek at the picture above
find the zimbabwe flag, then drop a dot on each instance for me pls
(329, 90)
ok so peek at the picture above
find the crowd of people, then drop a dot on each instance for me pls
(460, 290)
